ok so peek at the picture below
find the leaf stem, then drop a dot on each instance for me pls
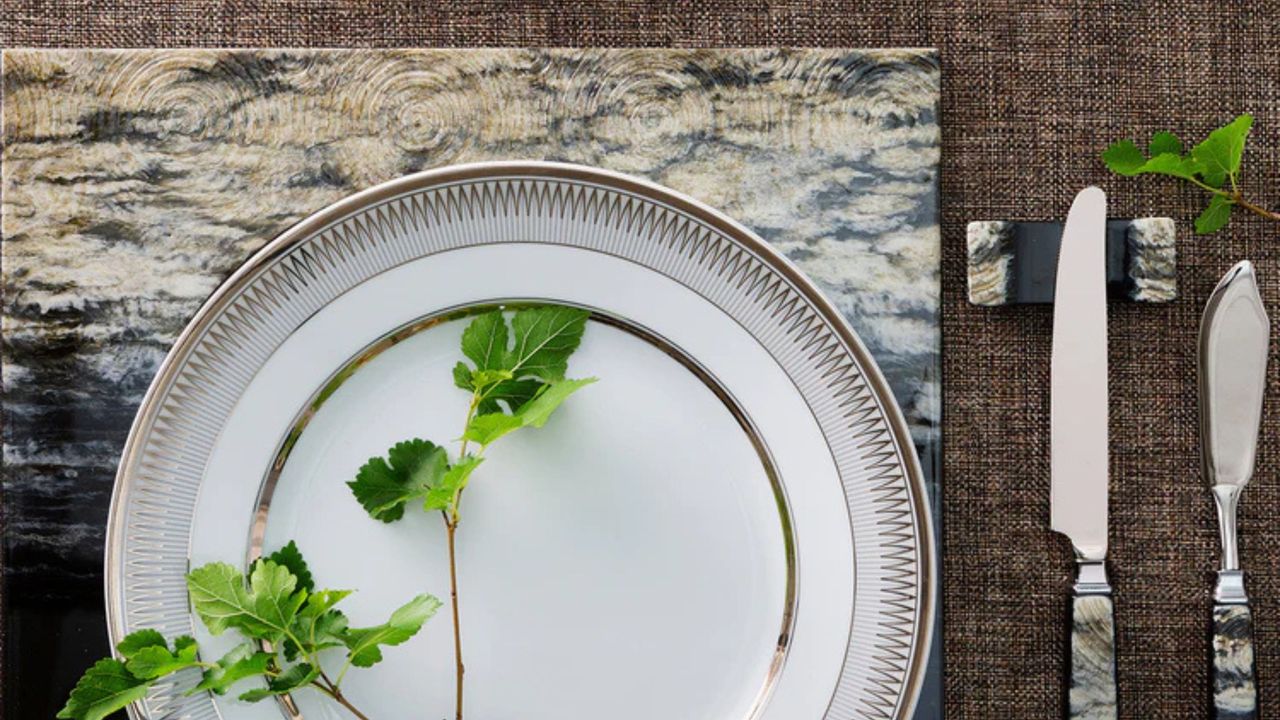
(325, 677)
(1237, 198)
(451, 529)
(1255, 209)
(471, 413)
(298, 644)
(451, 519)
(341, 699)
(1207, 186)
(343, 672)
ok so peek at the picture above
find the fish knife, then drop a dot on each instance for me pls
(1235, 335)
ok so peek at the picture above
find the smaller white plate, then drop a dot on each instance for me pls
(641, 520)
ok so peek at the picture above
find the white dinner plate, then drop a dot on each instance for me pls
(730, 525)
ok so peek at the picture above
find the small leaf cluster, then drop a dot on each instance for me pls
(516, 378)
(285, 623)
(1213, 164)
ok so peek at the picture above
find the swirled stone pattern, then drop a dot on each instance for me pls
(1235, 694)
(1092, 693)
(136, 181)
(1012, 262)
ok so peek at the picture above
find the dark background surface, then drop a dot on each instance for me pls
(1031, 93)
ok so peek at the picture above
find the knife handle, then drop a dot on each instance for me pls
(1093, 647)
(1235, 693)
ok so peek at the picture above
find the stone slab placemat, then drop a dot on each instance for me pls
(136, 181)
(1032, 93)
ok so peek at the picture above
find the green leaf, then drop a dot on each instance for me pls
(291, 557)
(544, 338)
(513, 393)
(318, 626)
(328, 630)
(383, 488)
(485, 340)
(363, 643)
(297, 676)
(218, 595)
(1220, 153)
(320, 602)
(135, 641)
(443, 495)
(273, 598)
(1124, 158)
(1165, 142)
(241, 662)
(106, 687)
(537, 411)
(484, 378)
(505, 377)
(1173, 165)
(156, 661)
(317, 633)
(462, 376)
(264, 610)
(1215, 216)
(484, 429)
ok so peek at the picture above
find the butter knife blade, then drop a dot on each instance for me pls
(1234, 335)
(1078, 403)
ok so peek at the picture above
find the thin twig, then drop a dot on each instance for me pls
(451, 529)
(1256, 209)
(341, 699)
(1236, 198)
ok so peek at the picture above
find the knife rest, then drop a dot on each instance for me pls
(1013, 263)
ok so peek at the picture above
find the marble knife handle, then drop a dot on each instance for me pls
(1093, 658)
(1235, 695)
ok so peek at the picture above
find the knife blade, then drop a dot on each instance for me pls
(1235, 334)
(1078, 446)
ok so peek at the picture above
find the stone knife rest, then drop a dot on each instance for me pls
(1013, 263)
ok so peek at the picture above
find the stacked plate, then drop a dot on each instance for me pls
(730, 524)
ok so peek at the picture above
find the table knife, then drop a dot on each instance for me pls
(1078, 464)
(1234, 338)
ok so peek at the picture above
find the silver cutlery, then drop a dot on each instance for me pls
(1234, 337)
(1078, 424)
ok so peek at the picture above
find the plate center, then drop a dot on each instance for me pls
(628, 560)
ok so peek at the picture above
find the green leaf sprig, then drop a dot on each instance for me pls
(1213, 165)
(285, 622)
(516, 379)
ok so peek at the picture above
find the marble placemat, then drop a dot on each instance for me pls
(135, 181)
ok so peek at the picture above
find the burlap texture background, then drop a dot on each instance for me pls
(1032, 92)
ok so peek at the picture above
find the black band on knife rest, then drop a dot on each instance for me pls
(1016, 262)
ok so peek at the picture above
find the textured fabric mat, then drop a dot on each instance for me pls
(1032, 93)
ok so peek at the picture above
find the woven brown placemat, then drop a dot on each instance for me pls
(1031, 94)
